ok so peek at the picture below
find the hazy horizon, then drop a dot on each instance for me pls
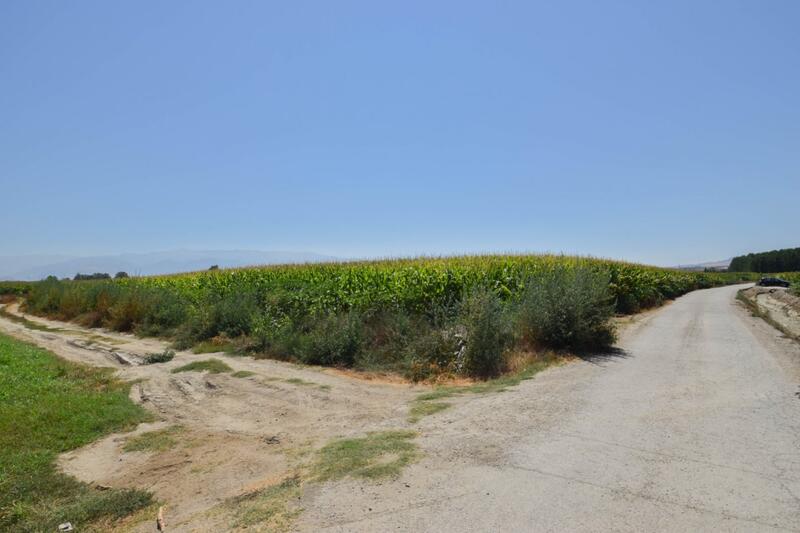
(38, 266)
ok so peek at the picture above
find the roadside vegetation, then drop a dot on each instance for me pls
(15, 288)
(27, 323)
(428, 403)
(49, 406)
(422, 317)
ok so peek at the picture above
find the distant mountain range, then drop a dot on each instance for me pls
(717, 265)
(36, 267)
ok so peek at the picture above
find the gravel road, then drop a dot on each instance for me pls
(694, 425)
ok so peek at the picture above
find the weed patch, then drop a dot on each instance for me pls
(269, 509)
(243, 374)
(419, 410)
(378, 455)
(159, 357)
(303, 383)
(154, 441)
(212, 366)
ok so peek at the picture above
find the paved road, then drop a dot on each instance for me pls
(694, 426)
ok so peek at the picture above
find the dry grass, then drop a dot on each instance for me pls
(269, 509)
(154, 441)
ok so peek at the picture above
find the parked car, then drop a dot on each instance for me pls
(773, 282)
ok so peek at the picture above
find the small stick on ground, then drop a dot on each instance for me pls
(160, 524)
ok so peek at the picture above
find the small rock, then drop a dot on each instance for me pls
(272, 440)
(66, 526)
(102, 487)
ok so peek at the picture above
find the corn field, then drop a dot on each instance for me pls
(417, 284)
(414, 315)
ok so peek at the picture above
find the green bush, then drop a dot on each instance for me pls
(275, 335)
(128, 311)
(231, 315)
(567, 309)
(159, 357)
(488, 336)
(334, 339)
(164, 313)
(432, 352)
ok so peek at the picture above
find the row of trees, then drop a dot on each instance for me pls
(118, 275)
(99, 275)
(786, 260)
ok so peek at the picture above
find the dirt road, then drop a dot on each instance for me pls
(693, 426)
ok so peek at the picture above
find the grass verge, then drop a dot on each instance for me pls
(501, 384)
(425, 404)
(27, 323)
(49, 406)
(212, 366)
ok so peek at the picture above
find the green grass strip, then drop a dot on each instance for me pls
(49, 406)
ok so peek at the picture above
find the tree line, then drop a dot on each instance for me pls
(786, 260)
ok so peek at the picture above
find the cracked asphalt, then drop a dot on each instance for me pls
(693, 425)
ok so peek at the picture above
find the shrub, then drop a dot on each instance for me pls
(567, 308)
(332, 340)
(230, 315)
(164, 312)
(120, 275)
(483, 317)
(129, 310)
(386, 334)
(274, 335)
(433, 352)
(233, 314)
(159, 357)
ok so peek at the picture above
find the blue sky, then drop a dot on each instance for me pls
(661, 132)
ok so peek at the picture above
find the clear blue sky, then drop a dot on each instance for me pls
(662, 132)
